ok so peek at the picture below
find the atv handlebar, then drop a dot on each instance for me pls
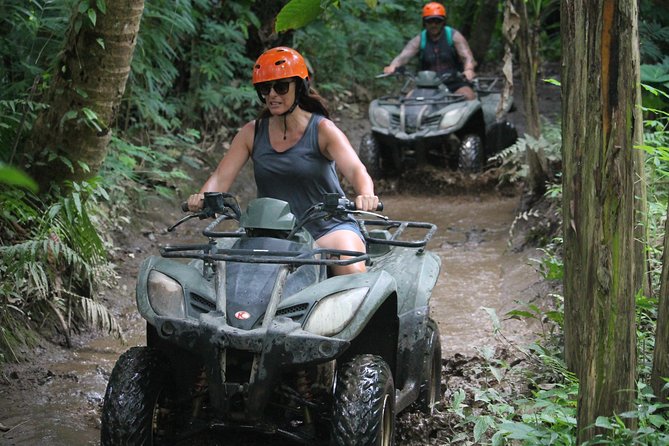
(347, 204)
(226, 207)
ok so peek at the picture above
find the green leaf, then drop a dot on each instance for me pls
(67, 116)
(100, 42)
(14, 177)
(517, 431)
(656, 74)
(482, 424)
(85, 167)
(92, 16)
(91, 118)
(102, 6)
(83, 6)
(77, 202)
(603, 422)
(297, 13)
(553, 82)
(372, 3)
(67, 162)
(493, 317)
(519, 314)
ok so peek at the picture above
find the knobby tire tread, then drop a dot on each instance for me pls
(362, 385)
(134, 386)
(470, 154)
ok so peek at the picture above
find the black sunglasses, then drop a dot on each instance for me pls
(280, 87)
(434, 20)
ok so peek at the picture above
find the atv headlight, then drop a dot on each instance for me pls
(335, 311)
(450, 118)
(381, 117)
(166, 296)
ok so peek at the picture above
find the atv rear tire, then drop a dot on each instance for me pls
(470, 153)
(430, 388)
(136, 396)
(364, 403)
(370, 155)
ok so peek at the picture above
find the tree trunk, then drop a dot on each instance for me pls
(661, 354)
(528, 62)
(486, 18)
(600, 126)
(509, 31)
(528, 55)
(70, 139)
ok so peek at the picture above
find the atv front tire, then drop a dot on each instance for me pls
(470, 154)
(364, 403)
(133, 412)
(370, 155)
(430, 388)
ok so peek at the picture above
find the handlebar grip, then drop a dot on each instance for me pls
(184, 206)
(351, 206)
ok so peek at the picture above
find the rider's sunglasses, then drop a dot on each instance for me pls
(280, 87)
(434, 21)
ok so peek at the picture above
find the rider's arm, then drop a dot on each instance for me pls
(228, 167)
(465, 54)
(335, 146)
(409, 51)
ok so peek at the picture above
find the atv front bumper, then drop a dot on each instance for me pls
(419, 135)
(282, 345)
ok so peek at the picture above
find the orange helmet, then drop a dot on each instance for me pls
(279, 63)
(434, 9)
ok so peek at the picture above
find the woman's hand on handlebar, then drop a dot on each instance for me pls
(367, 203)
(195, 202)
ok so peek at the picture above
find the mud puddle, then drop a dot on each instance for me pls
(57, 400)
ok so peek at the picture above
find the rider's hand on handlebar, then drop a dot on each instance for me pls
(389, 69)
(469, 74)
(366, 202)
(195, 202)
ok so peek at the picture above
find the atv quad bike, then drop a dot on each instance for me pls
(251, 332)
(428, 124)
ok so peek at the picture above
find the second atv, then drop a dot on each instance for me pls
(427, 124)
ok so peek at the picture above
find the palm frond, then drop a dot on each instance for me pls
(98, 316)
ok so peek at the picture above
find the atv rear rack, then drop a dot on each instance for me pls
(488, 85)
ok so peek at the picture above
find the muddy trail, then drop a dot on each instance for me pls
(56, 397)
(56, 400)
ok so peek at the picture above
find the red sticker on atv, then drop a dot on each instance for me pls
(242, 315)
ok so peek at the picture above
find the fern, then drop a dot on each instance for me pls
(51, 257)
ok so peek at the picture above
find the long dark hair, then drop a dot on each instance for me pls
(307, 98)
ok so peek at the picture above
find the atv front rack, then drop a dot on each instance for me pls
(444, 100)
(318, 256)
(395, 235)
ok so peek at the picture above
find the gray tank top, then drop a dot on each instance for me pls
(299, 175)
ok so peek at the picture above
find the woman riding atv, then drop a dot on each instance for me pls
(441, 49)
(294, 148)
